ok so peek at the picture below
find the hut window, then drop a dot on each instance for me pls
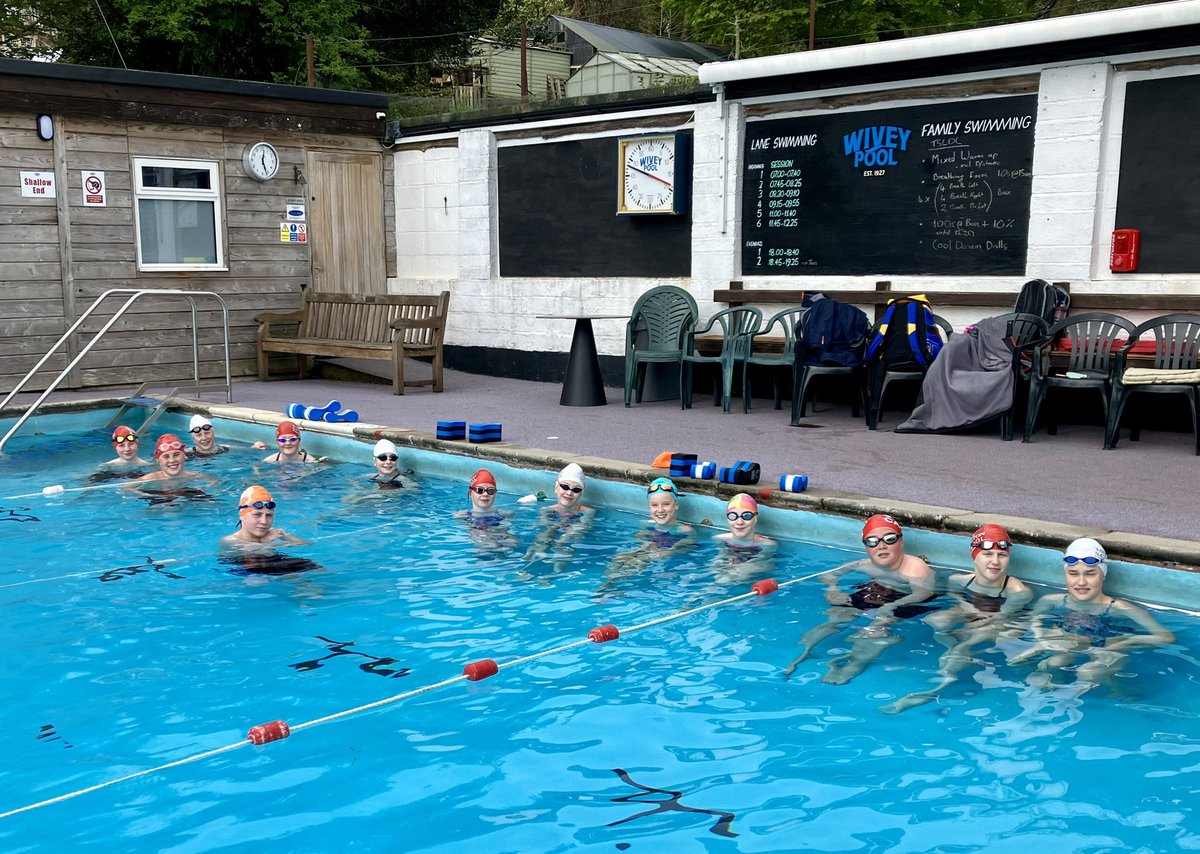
(178, 214)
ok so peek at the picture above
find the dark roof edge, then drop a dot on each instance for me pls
(579, 107)
(1055, 53)
(189, 82)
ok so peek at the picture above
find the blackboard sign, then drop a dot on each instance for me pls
(935, 189)
(558, 216)
(1160, 172)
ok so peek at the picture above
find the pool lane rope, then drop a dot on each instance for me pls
(474, 671)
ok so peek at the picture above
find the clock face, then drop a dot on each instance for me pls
(261, 160)
(648, 175)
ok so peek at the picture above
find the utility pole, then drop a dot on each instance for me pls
(737, 37)
(524, 66)
(308, 60)
(812, 24)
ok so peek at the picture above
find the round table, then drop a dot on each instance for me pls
(583, 385)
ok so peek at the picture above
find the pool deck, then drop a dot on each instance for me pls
(1138, 499)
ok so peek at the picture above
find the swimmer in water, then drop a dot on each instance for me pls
(387, 475)
(662, 536)
(287, 437)
(204, 439)
(742, 552)
(172, 480)
(1085, 628)
(985, 602)
(897, 588)
(127, 462)
(564, 522)
(256, 522)
(487, 526)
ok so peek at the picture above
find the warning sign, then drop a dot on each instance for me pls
(294, 209)
(38, 185)
(293, 232)
(94, 190)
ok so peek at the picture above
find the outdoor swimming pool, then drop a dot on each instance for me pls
(132, 646)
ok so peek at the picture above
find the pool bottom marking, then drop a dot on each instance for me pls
(670, 804)
(376, 664)
(15, 515)
(137, 569)
(47, 734)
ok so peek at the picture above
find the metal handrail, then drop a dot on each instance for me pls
(134, 295)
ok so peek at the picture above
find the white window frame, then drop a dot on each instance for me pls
(213, 195)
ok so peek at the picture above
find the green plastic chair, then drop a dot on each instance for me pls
(1090, 356)
(664, 315)
(1176, 348)
(788, 320)
(737, 325)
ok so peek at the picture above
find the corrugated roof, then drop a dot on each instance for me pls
(641, 64)
(614, 40)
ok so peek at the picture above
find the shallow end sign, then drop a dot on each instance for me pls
(38, 185)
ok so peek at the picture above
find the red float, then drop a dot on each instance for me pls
(600, 634)
(481, 669)
(268, 732)
(765, 587)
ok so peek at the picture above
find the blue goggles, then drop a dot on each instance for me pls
(1071, 560)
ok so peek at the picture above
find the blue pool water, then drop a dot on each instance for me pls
(130, 646)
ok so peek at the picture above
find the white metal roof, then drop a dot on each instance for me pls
(639, 63)
(1024, 34)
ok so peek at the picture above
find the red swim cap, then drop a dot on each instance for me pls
(482, 476)
(287, 428)
(167, 442)
(988, 532)
(881, 520)
(124, 431)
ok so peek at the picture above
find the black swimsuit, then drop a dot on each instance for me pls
(982, 601)
(871, 595)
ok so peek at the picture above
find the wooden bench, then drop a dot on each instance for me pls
(359, 326)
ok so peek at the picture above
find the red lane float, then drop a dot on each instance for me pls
(600, 634)
(481, 669)
(765, 587)
(268, 732)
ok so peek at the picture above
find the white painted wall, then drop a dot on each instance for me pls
(1072, 212)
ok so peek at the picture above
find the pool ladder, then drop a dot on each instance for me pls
(157, 405)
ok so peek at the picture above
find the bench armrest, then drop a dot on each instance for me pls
(269, 317)
(406, 323)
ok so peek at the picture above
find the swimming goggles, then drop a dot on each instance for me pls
(258, 505)
(661, 487)
(566, 487)
(988, 545)
(163, 447)
(886, 539)
(745, 515)
(288, 440)
(1071, 560)
(484, 490)
(205, 428)
(391, 457)
(121, 440)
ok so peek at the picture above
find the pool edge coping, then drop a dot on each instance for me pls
(1183, 555)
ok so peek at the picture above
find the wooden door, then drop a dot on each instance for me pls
(346, 228)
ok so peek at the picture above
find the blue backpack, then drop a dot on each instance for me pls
(907, 336)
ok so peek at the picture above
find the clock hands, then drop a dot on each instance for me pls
(663, 181)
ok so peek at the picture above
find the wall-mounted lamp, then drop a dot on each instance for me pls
(45, 127)
(298, 176)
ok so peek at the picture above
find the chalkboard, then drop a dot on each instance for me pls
(935, 189)
(1158, 192)
(558, 217)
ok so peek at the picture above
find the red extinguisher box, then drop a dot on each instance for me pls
(1126, 246)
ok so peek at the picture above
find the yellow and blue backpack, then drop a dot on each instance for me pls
(906, 336)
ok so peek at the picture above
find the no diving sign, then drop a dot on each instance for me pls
(94, 190)
(293, 232)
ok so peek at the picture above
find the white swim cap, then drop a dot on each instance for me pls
(1086, 549)
(383, 446)
(198, 421)
(571, 473)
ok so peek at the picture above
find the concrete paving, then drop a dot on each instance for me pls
(1139, 498)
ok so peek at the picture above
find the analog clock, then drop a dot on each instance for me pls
(261, 160)
(647, 181)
